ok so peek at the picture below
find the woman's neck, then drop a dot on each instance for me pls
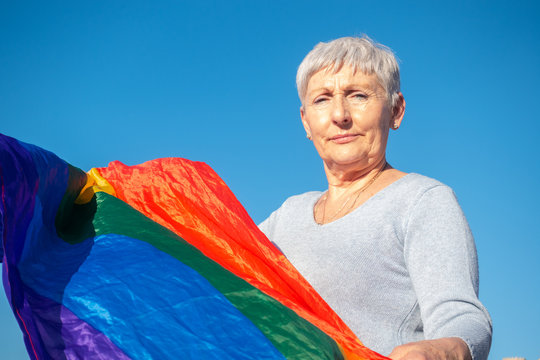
(349, 189)
(344, 181)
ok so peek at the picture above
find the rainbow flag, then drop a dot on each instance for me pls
(154, 261)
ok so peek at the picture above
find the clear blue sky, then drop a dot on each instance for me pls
(96, 81)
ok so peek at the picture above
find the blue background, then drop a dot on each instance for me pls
(98, 81)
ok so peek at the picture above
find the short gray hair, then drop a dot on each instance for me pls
(359, 53)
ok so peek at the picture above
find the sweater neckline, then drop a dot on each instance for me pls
(371, 199)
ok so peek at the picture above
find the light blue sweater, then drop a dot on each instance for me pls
(401, 267)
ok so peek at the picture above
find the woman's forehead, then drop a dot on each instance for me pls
(345, 76)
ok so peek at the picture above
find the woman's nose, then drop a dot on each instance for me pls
(340, 111)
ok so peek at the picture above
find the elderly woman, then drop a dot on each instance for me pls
(390, 252)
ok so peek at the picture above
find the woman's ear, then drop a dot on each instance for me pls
(398, 112)
(304, 122)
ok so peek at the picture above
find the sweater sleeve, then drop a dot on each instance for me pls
(267, 226)
(440, 255)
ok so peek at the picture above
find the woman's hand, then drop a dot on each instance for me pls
(451, 348)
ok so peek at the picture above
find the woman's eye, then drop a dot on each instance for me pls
(359, 96)
(320, 100)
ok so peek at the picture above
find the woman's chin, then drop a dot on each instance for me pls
(345, 162)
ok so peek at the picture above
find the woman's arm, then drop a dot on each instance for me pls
(441, 258)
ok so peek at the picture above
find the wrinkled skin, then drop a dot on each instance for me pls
(439, 349)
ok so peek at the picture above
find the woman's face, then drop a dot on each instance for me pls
(347, 115)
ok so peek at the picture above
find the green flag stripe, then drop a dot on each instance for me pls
(293, 336)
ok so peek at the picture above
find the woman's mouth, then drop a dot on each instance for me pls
(343, 139)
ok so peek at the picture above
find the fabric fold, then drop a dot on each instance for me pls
(154, 261)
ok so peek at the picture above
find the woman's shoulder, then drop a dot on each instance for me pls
(422, 180)
(413, 188)
(295, 207)
(300, 200)
(297, 203)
